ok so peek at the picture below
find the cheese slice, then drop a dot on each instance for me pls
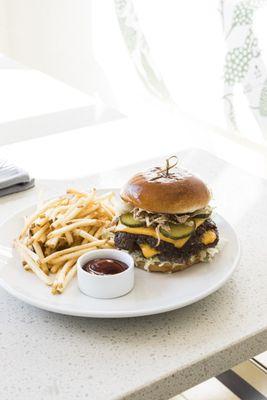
(208, 237)
(147, 250)
(198, 222)
(151, 232)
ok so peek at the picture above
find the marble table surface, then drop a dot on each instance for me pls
(53, 356)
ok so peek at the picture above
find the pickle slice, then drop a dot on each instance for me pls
(129, 220)
(178, 231)
(198, 221)
(202, 213)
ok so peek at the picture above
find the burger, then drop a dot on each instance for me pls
(166, 220)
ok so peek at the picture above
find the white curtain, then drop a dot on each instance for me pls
(175, 49)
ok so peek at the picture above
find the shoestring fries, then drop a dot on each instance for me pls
(63, 229)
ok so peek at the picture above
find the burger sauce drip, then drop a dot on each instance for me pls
(104, 266)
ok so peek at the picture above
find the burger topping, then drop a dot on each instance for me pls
(208, 237)
(204, 255)
(198, 222)
(174, 233)
(152, 232)
(134, 239)
(177, 231)
(147, 250)
(172, 226)
(153, 219)
(129, 220)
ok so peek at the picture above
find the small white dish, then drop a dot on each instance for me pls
(106, 286)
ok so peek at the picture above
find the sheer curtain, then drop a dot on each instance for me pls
(124, 51)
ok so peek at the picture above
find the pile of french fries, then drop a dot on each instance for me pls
(63, 229)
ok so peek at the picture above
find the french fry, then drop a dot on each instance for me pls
(32, 264)
(93, 230)
(47, 251)
(55, 268)
(73, 249)
(107, 210)
(45, 207)
(29, 251)
(57, 212)
(67, 228)
(52, 243)
(26, 267)
(70, 214)
(39, 252)
(88, 211)
(75, 192)
(39, 233)
(34, 229)
(70, 256)
(63, 229)
(99, 232)
(68, 278)
(41, 221)
(42, 238)
(85, 235)
(69, 238)
(58, 283)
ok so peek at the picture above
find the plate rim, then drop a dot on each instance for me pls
(124, 313)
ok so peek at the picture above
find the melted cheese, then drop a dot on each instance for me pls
(199, 221)
(208, 237)
(147, 250)
(151, 232)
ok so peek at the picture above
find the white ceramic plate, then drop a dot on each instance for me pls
(153, 292)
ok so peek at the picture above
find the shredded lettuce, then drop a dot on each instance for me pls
(154, 219)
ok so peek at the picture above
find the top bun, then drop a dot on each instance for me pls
(177, 192)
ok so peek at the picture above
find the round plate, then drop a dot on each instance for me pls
(153, 292)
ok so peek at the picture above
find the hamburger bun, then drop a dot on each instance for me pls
(177, 192)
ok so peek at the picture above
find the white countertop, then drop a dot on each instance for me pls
(53, 356)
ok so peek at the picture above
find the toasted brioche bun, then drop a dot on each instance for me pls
(178, 193)
(166, 267)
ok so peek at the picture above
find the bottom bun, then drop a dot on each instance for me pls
(166, 267)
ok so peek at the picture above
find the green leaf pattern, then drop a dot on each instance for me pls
(243, 15)
(129, 33)
(244, 12)
(243, 61)
(238, 60)
(139, 49)
(229, 109)
(263, 100)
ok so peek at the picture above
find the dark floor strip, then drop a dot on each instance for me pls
(239, 386)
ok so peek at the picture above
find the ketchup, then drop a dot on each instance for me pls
(104, 266)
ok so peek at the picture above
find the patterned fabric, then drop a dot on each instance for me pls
(139, 49)
(243, 62)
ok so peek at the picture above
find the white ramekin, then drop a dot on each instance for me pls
(106, 286)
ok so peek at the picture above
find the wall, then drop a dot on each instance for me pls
(53, 36)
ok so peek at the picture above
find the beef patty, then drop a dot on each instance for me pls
(168, 252)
